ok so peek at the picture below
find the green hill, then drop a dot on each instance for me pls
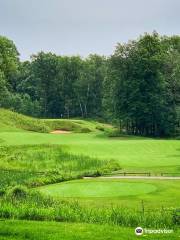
(12, 121)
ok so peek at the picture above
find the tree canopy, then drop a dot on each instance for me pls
(138, 86)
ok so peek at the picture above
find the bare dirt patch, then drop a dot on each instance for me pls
(60, 132)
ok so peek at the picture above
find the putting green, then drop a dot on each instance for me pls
(97, 188)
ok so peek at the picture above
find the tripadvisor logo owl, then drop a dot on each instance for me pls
(139, 231)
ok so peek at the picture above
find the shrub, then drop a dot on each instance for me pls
(101, 128)
(85, 130)
(93, 174)
(2, 192)
(114, 133)
(176, 216)
(18, 191)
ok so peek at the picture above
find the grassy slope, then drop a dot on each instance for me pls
(133, 154)
(47, 158)
(29, 230)
(11, 121)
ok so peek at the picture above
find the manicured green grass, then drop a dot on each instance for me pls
(98, 189)
(148, 155)
(122, 192)
(29, 230)
(27, 147)
(132, 153)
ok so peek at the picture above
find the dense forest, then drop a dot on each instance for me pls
(138, 86)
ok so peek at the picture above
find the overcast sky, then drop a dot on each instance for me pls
(82, 27)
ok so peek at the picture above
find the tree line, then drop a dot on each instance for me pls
(137, 87)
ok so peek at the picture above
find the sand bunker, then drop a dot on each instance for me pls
(60, 132)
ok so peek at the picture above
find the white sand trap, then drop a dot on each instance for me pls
(60, 132)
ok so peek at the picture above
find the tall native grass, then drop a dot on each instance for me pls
(43, 164)
(12, 121)
(50, 157)
(34, 206)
